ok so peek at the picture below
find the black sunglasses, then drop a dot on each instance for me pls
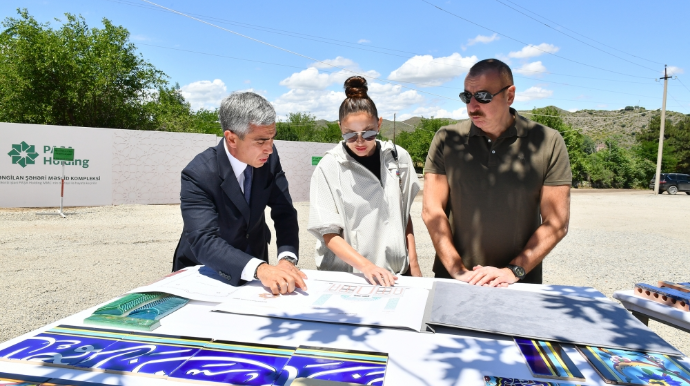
(368, 135)
(480, 96)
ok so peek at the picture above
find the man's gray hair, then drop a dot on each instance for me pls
(240, 109)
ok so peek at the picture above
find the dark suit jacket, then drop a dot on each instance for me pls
(219, 225)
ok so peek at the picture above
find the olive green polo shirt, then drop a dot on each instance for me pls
(495, 188)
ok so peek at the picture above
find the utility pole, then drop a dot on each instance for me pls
(657, 178)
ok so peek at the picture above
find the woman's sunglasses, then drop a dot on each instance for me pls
(480, 96)
(368, 135)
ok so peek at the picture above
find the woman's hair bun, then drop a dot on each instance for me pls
(356, 87)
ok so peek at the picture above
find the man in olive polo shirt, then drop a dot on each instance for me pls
(496, 187)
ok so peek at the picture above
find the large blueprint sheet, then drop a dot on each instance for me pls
(559, 318)
(334, 302)
(196, 283)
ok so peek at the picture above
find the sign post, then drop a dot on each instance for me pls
(62, 154)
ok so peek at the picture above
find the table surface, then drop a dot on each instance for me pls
(653, 309)
(448, 357)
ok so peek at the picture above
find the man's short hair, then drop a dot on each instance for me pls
(489, 65)
(241, 109)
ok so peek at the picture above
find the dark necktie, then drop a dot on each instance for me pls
(248, 173)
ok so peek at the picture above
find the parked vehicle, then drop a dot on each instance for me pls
(672, 183)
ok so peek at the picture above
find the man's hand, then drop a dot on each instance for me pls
(287, 266)
(492, 276)
(376, 274)
(281, 279)
(464, 275)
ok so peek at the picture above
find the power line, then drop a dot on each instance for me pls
(535, 47)
(293, 52)
(681, 82)
(577, 33)
(220, 56)
(287, 50)
(345, 43)
(421, 84)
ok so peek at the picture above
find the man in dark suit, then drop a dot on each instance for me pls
(225, 190)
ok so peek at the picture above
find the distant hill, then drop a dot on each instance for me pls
(600, 124)
(597, 124)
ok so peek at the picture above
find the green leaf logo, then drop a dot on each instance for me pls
(23, 154)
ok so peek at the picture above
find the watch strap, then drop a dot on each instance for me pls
(256, 272)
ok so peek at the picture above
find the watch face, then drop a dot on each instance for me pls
(519, 271)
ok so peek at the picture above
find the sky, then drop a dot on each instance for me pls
(415, 54)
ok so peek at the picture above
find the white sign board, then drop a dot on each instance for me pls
(29, 175)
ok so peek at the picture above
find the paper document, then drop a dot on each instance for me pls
(334, 302)
(195, 283)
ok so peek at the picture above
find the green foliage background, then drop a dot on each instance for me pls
(80, 76)
(93, 77)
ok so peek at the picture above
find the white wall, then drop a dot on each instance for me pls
(296, 157)
(122, 167)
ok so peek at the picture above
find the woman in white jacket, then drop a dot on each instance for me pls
(360, 199)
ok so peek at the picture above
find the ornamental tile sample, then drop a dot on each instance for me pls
(623, 367)
(548, 360)
(358, 367)
(664, 295)
(500, 381)
(144, 354)
(62, 346)
(65, 382)
(7, 379)
(234, 363)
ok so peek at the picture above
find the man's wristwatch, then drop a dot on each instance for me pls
(290, 259)
(256, 271)
(518, 271)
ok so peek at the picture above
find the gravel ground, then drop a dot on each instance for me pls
(616, 239)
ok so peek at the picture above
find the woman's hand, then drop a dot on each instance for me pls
(377, 274)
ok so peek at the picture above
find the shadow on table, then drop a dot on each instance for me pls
(545, 315)
(488, 356)
(319, 330)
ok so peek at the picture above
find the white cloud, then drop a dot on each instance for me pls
(204, 93)
(325, 103)
(363, 41)
(392, 98)
(533, 93)
(339, 61)
(534, 68)
(263, 93)
(673, 70)
(482, 39)
(436, 112)
(573, 110)
(426, 71)
(312, 79)
(532, 51)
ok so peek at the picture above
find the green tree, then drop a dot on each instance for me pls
(171, 112)
(418, 141)
(680, 140)
(329, 134)
(648, 144)
(618, 167)
(576, 142)
(297, 127)
(74, 75)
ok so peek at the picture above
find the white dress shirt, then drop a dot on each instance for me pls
(238, 167)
